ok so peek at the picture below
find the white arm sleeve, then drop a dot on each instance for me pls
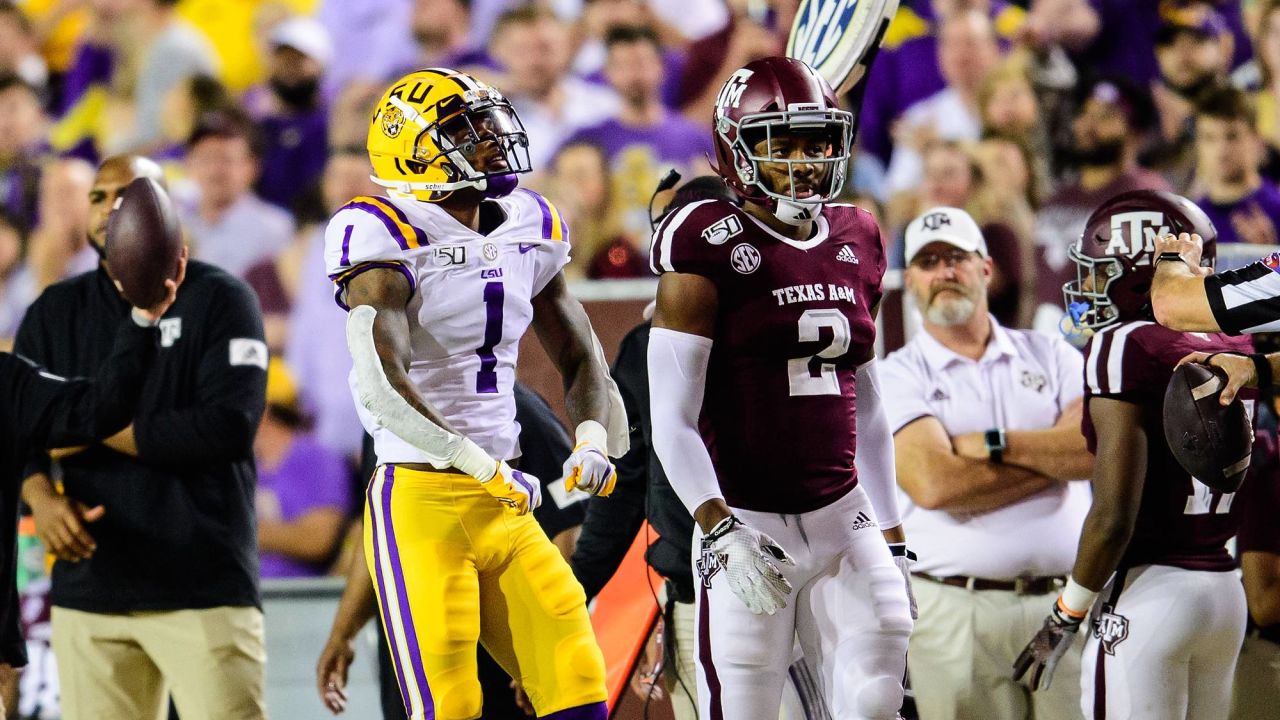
(443, 448)
(677, 380)
(876, 470)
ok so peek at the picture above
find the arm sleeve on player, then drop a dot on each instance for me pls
(876, 470)
(677, 380)
(442, 448)
(368, 233)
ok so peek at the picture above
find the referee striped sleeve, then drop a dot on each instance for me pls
(1245, 300)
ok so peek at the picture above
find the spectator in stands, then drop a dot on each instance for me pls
(155, 586)
(750, 34)
(22, 130)
(304, 489)
(59, 245)
(149, 36)
(1110, 118)
(349, 114)
(1267, 62)
(228, 224)
(1243, 206)
(196, 97)
(1009, 196)
(645, 139)
(291, 115)
(1124, 45)
(579, 185)
(967, 51)
(1193, 49)
(1009, 107)
(374, 31)
(11, 304)
(442, 35)
(532, 46)
(20, 48)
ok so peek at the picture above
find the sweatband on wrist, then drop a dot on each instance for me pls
(592, 433)
(474, 461)
(1076, 599)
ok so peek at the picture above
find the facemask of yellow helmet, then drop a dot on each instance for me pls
(436, 131)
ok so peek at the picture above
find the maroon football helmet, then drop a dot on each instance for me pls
(1115, 255)
(772, 97)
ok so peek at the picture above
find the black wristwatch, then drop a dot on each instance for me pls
(996, 444)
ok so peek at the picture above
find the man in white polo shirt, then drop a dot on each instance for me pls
(986, 425)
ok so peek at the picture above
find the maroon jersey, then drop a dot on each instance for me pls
(1181, 522)
(793, 325)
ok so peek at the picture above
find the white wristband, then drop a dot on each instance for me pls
(592, 433)
(1077, 598)
(474, 461)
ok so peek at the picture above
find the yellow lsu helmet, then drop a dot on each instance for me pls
(433, 127)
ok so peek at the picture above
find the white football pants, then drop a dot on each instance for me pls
(1161, 644)
(848, 609)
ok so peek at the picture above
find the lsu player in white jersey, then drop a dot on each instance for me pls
(442, 277)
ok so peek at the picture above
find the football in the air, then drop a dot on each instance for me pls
(1210, 441)
(144, 241)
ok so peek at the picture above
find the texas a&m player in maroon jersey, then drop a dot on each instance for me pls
(762, 340)
(1163, 637)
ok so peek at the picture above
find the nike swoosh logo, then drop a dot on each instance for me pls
(526, 247)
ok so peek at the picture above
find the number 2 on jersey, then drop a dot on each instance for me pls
(800, 377)
(487, 378)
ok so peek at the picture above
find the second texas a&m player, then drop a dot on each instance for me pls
(762, 339)
(1163, 641)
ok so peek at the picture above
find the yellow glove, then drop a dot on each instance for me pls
(519, 491)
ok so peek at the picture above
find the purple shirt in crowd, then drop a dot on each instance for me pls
(640, 156)
(310, 477)
(1125, 44)
(1265, 199)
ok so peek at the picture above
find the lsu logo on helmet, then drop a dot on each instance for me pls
(437, 131)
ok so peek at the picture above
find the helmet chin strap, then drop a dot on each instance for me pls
(794, 213)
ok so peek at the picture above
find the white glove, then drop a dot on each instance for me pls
(588, 468)
(902, 557)
(749, 559)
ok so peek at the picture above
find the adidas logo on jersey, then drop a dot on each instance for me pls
(863, 522)
(846, 255)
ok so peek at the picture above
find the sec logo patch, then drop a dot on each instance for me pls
(1272, 261)
(745, 259)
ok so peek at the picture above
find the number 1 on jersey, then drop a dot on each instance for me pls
(487, 378)
(800, 377)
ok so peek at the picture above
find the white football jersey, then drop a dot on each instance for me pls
(472, 301)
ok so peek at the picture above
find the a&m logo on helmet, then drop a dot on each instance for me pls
(392, 120)
(1135, 232)
(731, 94)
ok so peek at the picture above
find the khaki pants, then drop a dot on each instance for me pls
(681, 673)
(1257, 684)
(124, 667)
(962, 651)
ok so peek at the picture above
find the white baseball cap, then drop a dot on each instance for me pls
(944, 224)
(306, 35)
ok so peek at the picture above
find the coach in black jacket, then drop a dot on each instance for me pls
(156, 586)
